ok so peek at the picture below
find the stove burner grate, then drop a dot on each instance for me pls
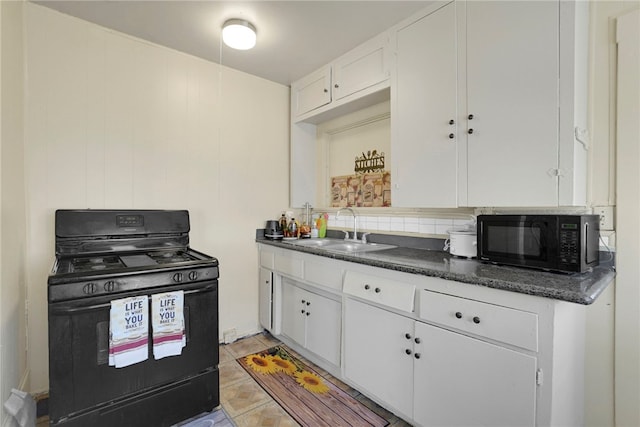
(97, 263)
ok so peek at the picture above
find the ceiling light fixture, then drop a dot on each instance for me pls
(239, 34)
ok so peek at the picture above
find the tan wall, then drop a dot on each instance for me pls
(115, 122)
(13, 358)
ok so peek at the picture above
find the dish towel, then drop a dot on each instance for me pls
(129, 331)
(167, 321)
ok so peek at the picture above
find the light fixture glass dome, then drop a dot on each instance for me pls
(239, 34)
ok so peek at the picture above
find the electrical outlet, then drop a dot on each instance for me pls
(606, 216)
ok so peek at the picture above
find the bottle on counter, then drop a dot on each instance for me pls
(293, 228)
(321, 223)
(283, 225)
(314, 229)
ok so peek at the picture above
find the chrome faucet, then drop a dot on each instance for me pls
(355, 223)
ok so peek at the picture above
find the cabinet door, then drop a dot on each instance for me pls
(361, 68)
(375, 354)
(323, 327)
(265, 298)
(293, 312)
(463, 381)
(424, 147)
(312, 91)
(512, 54)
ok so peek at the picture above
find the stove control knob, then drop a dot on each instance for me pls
(177, 277)
(89, 288)
(110, 286)
(193, 275)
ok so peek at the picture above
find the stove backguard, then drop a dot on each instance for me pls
(102, 231)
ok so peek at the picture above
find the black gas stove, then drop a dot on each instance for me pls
(107, 255)
(83, 276)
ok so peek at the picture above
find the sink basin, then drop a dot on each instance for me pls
(357, 247)
(342, 246)
(315, 242)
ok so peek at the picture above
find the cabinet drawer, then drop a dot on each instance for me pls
(286, 264)
(323, 273)
(380, 290)
(266, 259)
(515, 327)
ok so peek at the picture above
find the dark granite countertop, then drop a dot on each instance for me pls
(425, 260)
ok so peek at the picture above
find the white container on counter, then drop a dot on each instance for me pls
(462, 242)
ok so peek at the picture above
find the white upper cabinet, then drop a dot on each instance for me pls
(521, 102)
(312, 92)
(361, 68)
(487, 99)
(423, 113)
(357, 79)
(511, 116)
(356, 74)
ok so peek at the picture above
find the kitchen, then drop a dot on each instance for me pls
(108, 160)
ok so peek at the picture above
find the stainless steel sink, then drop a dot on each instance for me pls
(315, 242)
(342, 246)
(357, 247)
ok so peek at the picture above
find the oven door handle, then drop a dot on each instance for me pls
(67, 309)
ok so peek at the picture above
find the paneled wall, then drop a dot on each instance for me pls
(13, 360)
(116, 122)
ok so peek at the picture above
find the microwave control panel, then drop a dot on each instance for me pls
(569, 243)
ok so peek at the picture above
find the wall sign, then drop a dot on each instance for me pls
(370, 162)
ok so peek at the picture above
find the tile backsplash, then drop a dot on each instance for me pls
(413, 224)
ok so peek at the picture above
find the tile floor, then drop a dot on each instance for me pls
(248, 405)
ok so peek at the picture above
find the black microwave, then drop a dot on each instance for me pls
(566, 243)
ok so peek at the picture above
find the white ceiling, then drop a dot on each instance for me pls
(294, 37)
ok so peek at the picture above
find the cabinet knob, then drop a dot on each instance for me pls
(417, 355)
(302, 301)
(308, 313)
(266, 281)
(418, 340)
(367, 287)
(452, 122)
(407, 336)
(302, 311)
(336, 85)
(326, 90)
(470, 117)
(407, 351)
(378, 290)
(451, 136)
(476, 320)
(470, 131)
(458, 315)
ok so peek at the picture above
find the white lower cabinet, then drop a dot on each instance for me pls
(456, 355)
(311, 320)
(434, 376)
(265, 298)
(375, 354)
(463, 381)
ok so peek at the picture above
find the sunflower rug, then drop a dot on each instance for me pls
(311, 400)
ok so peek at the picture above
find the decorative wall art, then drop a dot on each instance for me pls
(369, 187)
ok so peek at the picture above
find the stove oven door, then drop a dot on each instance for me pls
(84, 387)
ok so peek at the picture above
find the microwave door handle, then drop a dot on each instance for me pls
(586, 244)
